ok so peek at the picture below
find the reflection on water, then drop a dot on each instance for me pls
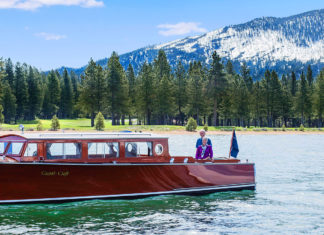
(288, 198)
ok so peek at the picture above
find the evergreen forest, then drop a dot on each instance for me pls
(216, 95)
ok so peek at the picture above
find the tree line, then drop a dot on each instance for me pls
(216, 95)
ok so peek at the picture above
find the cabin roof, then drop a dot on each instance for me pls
(90, 136)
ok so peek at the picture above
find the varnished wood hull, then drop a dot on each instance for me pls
(54, 182)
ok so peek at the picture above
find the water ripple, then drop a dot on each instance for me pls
(288, 198)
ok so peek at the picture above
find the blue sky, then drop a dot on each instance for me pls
(51, 33)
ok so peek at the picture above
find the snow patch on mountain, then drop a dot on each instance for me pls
(283, 44)
(250, 45)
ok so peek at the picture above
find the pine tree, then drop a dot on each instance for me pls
(146, 92)
(196, 90)
(46, 106)
(39, 126)
(310, 89)
(319, 98)
(55, 124)
(93, 90)
(240, 101)
(266, 84)
(165, 88)
(100, 122)
(34, 94)
(9, 104)
(2, 75)
(180, 91)
(161, 65)
(286, 100)
(1, 114)
(131, 92)
(76, 88)
(43, 105)
(245, 73)
(303, 99)
(258, 104)
(21, 92)
(117, 89)
(225, 107)
(230, 68)
(191, 125)
(293, 84)
(309, 76)
(9, 76)
(166, 101)
(275, 98)
(54, 93)
(67, 96)
(216, 84)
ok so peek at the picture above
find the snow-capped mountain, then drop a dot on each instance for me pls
(283, 44)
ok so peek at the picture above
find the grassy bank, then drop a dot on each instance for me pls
(83, 124)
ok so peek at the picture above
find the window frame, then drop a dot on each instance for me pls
(138, 155)
(104, 155)
(64, 156)
(9, 143)
(5, 146)
(25, 149)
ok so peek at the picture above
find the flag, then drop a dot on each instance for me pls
(234, 149)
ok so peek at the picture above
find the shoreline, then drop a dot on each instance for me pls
(178, 132)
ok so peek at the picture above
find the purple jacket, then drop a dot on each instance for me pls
(208, 152)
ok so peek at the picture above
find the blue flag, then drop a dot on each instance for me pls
(234, 150)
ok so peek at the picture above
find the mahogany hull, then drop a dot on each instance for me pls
(48, 182)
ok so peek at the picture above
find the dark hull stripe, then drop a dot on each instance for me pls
(120, 164)
(189, 191)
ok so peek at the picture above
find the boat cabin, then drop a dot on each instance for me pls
(81, 147)
(85, 147)
(91, 148)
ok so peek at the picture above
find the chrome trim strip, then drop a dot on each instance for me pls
(117, 164)
(175, 191)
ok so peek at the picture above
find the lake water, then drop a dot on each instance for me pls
(289, 198)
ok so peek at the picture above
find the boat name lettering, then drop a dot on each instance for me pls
(53, 173)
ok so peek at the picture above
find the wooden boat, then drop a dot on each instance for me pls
(67, 167)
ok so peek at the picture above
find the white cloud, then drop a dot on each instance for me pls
(50, 36)
(34, 4)
(180, 28)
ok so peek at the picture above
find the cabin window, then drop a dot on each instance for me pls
(31, 150)
(103, 150)
(15, 148)
(3, 146)
(158, 149)
(63, 150)
(138, 149)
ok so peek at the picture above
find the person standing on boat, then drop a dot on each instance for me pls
(202, 135)
(205, 150)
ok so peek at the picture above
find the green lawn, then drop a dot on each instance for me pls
(83, 124)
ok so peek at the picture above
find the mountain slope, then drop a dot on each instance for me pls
(283, 44)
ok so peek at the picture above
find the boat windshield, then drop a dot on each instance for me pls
(3, 146)
(13, 149)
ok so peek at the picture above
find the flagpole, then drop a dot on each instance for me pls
(229, 154)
